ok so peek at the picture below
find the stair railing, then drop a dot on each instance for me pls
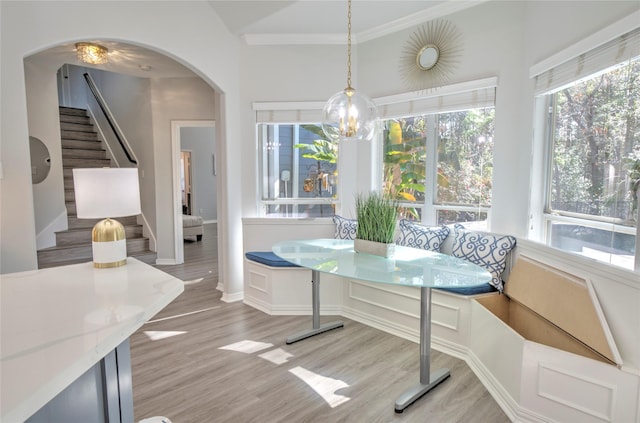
(115, 130)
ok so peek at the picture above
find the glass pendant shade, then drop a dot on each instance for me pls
(349, 115)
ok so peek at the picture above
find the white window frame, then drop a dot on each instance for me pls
(561, 69)
(450, 98)
(287, 113)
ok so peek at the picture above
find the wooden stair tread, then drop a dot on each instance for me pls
(131, 240)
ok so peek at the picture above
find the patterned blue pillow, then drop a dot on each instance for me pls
(419, 236)
(486, 250)
(345, 228)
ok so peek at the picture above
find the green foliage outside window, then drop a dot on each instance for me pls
(404, 161)
(464, 161)
(321, 149)
(596, 137)
(465, 157)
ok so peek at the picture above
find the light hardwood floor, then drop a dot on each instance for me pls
(185, 375)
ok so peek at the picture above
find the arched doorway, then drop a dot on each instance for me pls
(42, 68)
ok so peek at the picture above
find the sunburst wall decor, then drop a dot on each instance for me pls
(431, 55)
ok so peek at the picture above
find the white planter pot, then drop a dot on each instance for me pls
(375, 248)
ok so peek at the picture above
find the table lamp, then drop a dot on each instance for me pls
(105, 193)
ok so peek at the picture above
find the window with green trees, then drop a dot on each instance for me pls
(594, 164)
(439, 165)
(297, 170)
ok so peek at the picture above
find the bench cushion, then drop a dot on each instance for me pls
(268, 258)
(476, 290)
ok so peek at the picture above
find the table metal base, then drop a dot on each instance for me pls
(428, 381)
(411, 395)
(316, 328)
(315, 331)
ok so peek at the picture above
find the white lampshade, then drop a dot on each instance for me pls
(106, 192)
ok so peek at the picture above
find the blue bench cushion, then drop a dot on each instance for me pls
(476, 290)
(268, 258)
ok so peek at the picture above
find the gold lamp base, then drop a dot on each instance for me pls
(109, 244)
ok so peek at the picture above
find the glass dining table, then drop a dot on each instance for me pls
(407, 267)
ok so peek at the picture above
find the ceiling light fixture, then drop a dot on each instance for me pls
(349, 115)
(93, 54)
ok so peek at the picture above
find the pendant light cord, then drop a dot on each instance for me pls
(349, 44)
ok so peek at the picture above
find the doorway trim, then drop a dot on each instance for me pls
(176, 125)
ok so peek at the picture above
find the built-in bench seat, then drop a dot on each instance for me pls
(268, 258)
(277, 286)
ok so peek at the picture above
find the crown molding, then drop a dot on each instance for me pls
(435, 12)
(418, 18)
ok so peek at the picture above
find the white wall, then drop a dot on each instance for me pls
(44, 123)
(201, 143)
(173, 99)
(491, 39)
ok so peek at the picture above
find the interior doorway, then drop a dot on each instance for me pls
(185, 182)
(196, 191)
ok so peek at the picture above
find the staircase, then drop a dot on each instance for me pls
(81, 148)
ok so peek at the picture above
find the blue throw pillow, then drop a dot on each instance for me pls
(419, 236)
(486, 250)
(345, 228)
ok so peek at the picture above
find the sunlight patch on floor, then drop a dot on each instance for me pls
(194, 281)
(182, 315)
(324, 386)
(155, 335)
(247, 346)
(277, 356)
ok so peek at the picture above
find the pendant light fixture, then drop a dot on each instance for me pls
(348, 114)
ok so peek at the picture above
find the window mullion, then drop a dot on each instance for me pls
(295, 184)
(429, 215)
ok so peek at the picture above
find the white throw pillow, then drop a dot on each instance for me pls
(486, 250)
(345, 228)
(418, 236)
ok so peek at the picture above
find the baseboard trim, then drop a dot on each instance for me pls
(258, 305)
(232, 298)
(509, 406)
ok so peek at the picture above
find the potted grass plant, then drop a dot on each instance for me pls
(376, 215)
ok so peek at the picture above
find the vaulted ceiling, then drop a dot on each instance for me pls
(325, 21)
(277, 22)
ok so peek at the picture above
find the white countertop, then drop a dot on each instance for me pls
(57, 323)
